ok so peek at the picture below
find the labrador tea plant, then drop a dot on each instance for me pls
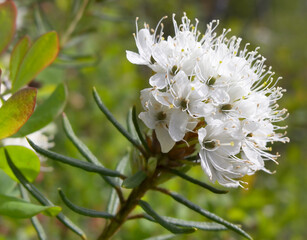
(208, 103)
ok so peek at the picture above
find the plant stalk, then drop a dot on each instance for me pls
(127, 207)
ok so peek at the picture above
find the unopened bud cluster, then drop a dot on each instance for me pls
(206, 85)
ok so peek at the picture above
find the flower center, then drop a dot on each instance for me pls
(211, 81)
(174, 70)
(226, 107)
(209, 145)
(184, 104)
(152, 60)
(161, 116)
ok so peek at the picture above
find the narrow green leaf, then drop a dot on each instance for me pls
(130, 126)
(83, 211)
(16, 111)
(113, 202)
(205, 226)
(83, 149)
(8, 14)
(116, 124)
(197, 182)
(75, 162)
(18, 208)
(18, 54)
(42, 199)
(40, 55)
(134, 180)
(41, 20)
(38, 228)
(208, 214)
(45, 112)
(169, 226)
(166, 176)
(36, 224)
(25, 159)
(138, 130)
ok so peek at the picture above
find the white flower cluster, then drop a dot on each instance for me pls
(205, 84)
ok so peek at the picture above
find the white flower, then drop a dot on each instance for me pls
(218, 150)
(207, 86)
(42, 138)
(156, 117)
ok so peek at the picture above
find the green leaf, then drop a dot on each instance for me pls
(84, 211)
(41, 198)
(25, 159)
(169, 226)
(83, 149)
(18, 208)
(113, 202)
(206, 226)
(130, 125)
(138, 130)
(35, 222)
(6, 183)
(38, 228)
(75, 162)
(8, 14)
(40, 55)
(197, 182)
(134, 180)
(16, 111)
(18, 54)
(208, 214)
(45, 112)
(115, 123)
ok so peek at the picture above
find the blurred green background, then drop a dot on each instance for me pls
(274, 207)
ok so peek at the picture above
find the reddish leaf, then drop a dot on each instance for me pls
(8, 14)
(16, 111)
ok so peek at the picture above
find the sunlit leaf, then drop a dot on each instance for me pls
(16, 111)
(18, 208)
(41, 198)
(41, 54)
(18, 54)
(45, 112)
(25, 159)
(8, 14)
